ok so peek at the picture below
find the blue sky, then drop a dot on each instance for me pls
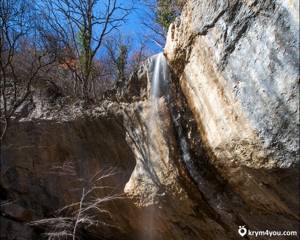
(134, 27)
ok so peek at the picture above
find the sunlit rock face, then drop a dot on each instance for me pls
(237, 66)
(216, 150)
(240, 74)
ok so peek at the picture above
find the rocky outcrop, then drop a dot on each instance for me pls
(240, 75)
(216, 149)
(236, 63)
(43, 160)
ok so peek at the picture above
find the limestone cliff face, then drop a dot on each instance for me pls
(43, 160)
(237, 66)
(239, 71)
(216, 150)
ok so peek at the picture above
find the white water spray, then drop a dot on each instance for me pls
(159, 79)
(158, 61)
(158, 76)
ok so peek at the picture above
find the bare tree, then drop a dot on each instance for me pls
(89, 211)
(156, 33)
(83, 25)
(118, 48)
(138, 56)
(22, 56)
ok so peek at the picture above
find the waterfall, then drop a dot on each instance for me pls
(158, 77)
(159, 80)
(157, 60)
(159, 83)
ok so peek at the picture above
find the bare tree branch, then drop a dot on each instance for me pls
(85, 213)
(18, 38)
(87, 27)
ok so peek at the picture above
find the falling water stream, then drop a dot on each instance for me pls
(159, 79)
(158, 76)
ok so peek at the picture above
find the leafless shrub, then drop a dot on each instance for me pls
(82, 26)
(22, 58)
(6, 203)
(67, 169)
(89, 211)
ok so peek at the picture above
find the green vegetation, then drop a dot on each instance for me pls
(167, 11)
